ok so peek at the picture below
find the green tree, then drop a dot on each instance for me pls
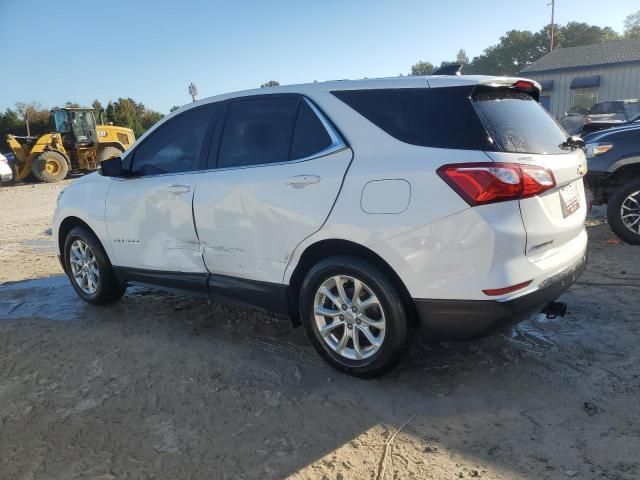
(270, 83)
(422, 68)
(575, 34)
(38, 118)
(126, 112)
(461, 57)
(175, 107)
(632, 26)
(10, 122)
(98, 110)
(517, 49)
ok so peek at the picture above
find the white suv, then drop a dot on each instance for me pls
(361, 209)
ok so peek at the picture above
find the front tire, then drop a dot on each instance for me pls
(50, 167)
(354, 316)
(89, 269)
(623, 212)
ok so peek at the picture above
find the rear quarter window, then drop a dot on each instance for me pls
(438, 117)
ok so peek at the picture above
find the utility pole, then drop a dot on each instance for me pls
(193, 91)
(553, 12)
(26, 119)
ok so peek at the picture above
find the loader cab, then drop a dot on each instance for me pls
(77, 126)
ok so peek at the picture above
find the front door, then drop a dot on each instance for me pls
(280, 166)
(149, 213)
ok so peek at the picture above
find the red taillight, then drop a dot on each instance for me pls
(481, 183)
(494, 292)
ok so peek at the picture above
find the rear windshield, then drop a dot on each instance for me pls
(517, 122)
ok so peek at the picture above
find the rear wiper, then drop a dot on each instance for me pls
(573, 142)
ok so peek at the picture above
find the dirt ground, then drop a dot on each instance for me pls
(163, 386)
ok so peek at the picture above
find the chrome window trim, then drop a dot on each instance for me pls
(337, 144)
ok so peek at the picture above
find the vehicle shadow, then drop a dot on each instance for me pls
(166, 385)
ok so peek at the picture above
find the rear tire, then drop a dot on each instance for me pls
(365, 330)
(623, 212)
(50, 167)
(89, 269)
(108, 152)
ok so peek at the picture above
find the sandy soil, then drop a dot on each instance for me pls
(163, 386)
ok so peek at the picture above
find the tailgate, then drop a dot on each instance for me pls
(557, 216)
(524, 133)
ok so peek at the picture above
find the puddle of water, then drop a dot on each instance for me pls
(50, 297)
(531, 337)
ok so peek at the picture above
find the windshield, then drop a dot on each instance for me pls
(633, 110)
(518, 124)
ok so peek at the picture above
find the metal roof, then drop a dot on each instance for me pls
(599, 54)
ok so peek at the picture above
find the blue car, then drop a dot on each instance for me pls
(613, 157)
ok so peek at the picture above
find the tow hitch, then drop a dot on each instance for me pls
(555, 309)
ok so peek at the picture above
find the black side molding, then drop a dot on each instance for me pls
(272, 297)
(180, 281)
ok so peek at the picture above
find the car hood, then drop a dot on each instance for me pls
(604, 134)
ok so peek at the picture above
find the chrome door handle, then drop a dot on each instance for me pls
(177, 188)
(300, 181)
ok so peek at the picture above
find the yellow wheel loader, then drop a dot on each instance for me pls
(77, 145)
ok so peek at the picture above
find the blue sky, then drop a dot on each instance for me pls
(150, 50)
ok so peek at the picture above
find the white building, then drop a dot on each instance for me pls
(577, 77)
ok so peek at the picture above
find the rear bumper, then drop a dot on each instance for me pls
(466, 319)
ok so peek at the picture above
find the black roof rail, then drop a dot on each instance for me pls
(454, 69)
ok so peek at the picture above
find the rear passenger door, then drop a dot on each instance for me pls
(277, 168)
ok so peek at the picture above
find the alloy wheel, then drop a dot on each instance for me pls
(630, 212)
(349, 317)
(84, 267)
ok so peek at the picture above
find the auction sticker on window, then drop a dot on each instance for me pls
(569, 199)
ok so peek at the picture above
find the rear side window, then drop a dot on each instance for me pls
(176, 146)
(438, 117)
(518, 123)
(310, 136)
(257, 131)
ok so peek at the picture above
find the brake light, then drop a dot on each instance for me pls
(524, 85)
(491, 182)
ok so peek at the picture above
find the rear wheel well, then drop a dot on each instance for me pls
(334, 247)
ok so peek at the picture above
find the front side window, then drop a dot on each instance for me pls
(176, 146)
(258, 131)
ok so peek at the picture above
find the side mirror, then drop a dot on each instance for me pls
(111, 167)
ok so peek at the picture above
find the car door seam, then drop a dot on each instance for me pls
(324, 222)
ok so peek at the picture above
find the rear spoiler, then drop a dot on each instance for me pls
(530, 87)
